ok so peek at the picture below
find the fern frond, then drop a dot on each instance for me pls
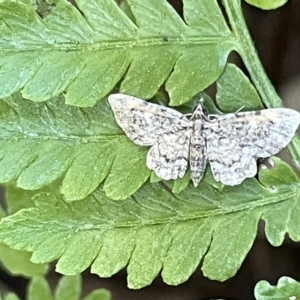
(155, 231)
(87, 52)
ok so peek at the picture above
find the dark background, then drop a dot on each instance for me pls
(277, 38)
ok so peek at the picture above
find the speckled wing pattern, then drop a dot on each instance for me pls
(231, 143)
(236, 140)
(144, 122)
(168, 157)
(167, 130)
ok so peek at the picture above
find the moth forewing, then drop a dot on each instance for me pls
(142, 121)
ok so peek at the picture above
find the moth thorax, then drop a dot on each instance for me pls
(198, 126)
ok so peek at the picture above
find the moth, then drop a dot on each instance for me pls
(231, 143)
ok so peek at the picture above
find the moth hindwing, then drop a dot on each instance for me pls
(231, 143)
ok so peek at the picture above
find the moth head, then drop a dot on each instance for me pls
(200, 111)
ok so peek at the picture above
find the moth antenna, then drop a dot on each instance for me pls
(188, 115)
(240, 109)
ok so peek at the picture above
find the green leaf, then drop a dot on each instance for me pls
(17, 198)
(18, 262)
(11, 296)
(126, 9)
(181, 183)
(42, 142)
(222, 251)
(100, 294)
(287, 288)
(162, 232)
(154, 178)
(129, 170)
(267, 4)
(39, 289)
(235, 91)
(284, 217)
(270, 178)
(87, 52)
(69, 287)
(15, 261)
(181, 90)
(294, 148)
(210, 105)
(206, 16)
